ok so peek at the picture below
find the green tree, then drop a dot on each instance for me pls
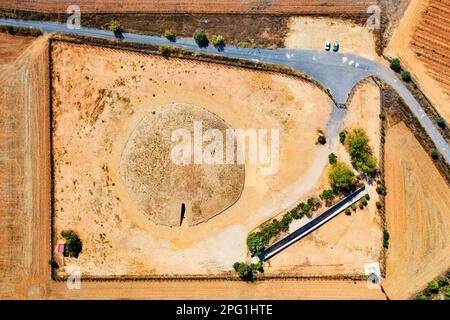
(347, 211)
(443, 282)
(321, 139)
(164, 50)
(382, 116)
(441, 122)
(342, 136)
(201, 39)
(256, 243)
(218, 40)
(73, 244)
(360, 151)
(170, 35)
(385, 238)
(332, 158)
(406, 76)
(395, 65)
(327, 194)
(433, 287)
(341, 177)
(116, 27)
(244, 271)
(435, 154)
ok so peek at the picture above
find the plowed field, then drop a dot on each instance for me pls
(197, 6)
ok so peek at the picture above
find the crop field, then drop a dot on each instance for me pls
(421, 43)
(430, 41)
(197, 6)
(24, 170)
(417, 214)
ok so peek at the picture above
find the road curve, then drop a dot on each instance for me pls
(337, 72)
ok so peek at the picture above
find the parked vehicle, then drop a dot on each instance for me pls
(336, 46)
(327, 45)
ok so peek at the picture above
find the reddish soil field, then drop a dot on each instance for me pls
(197, 6)
(430, 41)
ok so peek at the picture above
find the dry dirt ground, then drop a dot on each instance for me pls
(202, 6)
(90, 196)
(312, 32)
(417, 214)
(421, 43)
(11, 47)
(351, 240)
(24, 169)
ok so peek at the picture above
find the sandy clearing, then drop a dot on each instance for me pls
(118, 239)
(417, 214)
(401, 46)
(311, 33)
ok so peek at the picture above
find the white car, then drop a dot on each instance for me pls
(336, 46)
(327, 45)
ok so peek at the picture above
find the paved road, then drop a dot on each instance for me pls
(338, 72)
(312, 225)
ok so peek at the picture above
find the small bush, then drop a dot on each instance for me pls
(433, 287)
(446, 292)
(327, 194)
(385, 238)
(367, 196)
(421, 297)
(342, 136)
(73, 244)
(164, 50)
(406, 76)
(201, 39)
(382, 116)
(341, 177)
(218, 40)
(435, 154)
(321, 139)
(443, 282)
(378, 204)
(170, 35)
(353, 206)
(256, 243)
(360, 151)
(244, 271)
(441, 122)
(332, 158)
(380, 190)
(115, 26)
(364, 202)
(347, 211)
(396, 65)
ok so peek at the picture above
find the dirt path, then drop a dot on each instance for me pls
(417, 214)
(273, 289)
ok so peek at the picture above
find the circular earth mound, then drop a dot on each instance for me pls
(168, 192)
